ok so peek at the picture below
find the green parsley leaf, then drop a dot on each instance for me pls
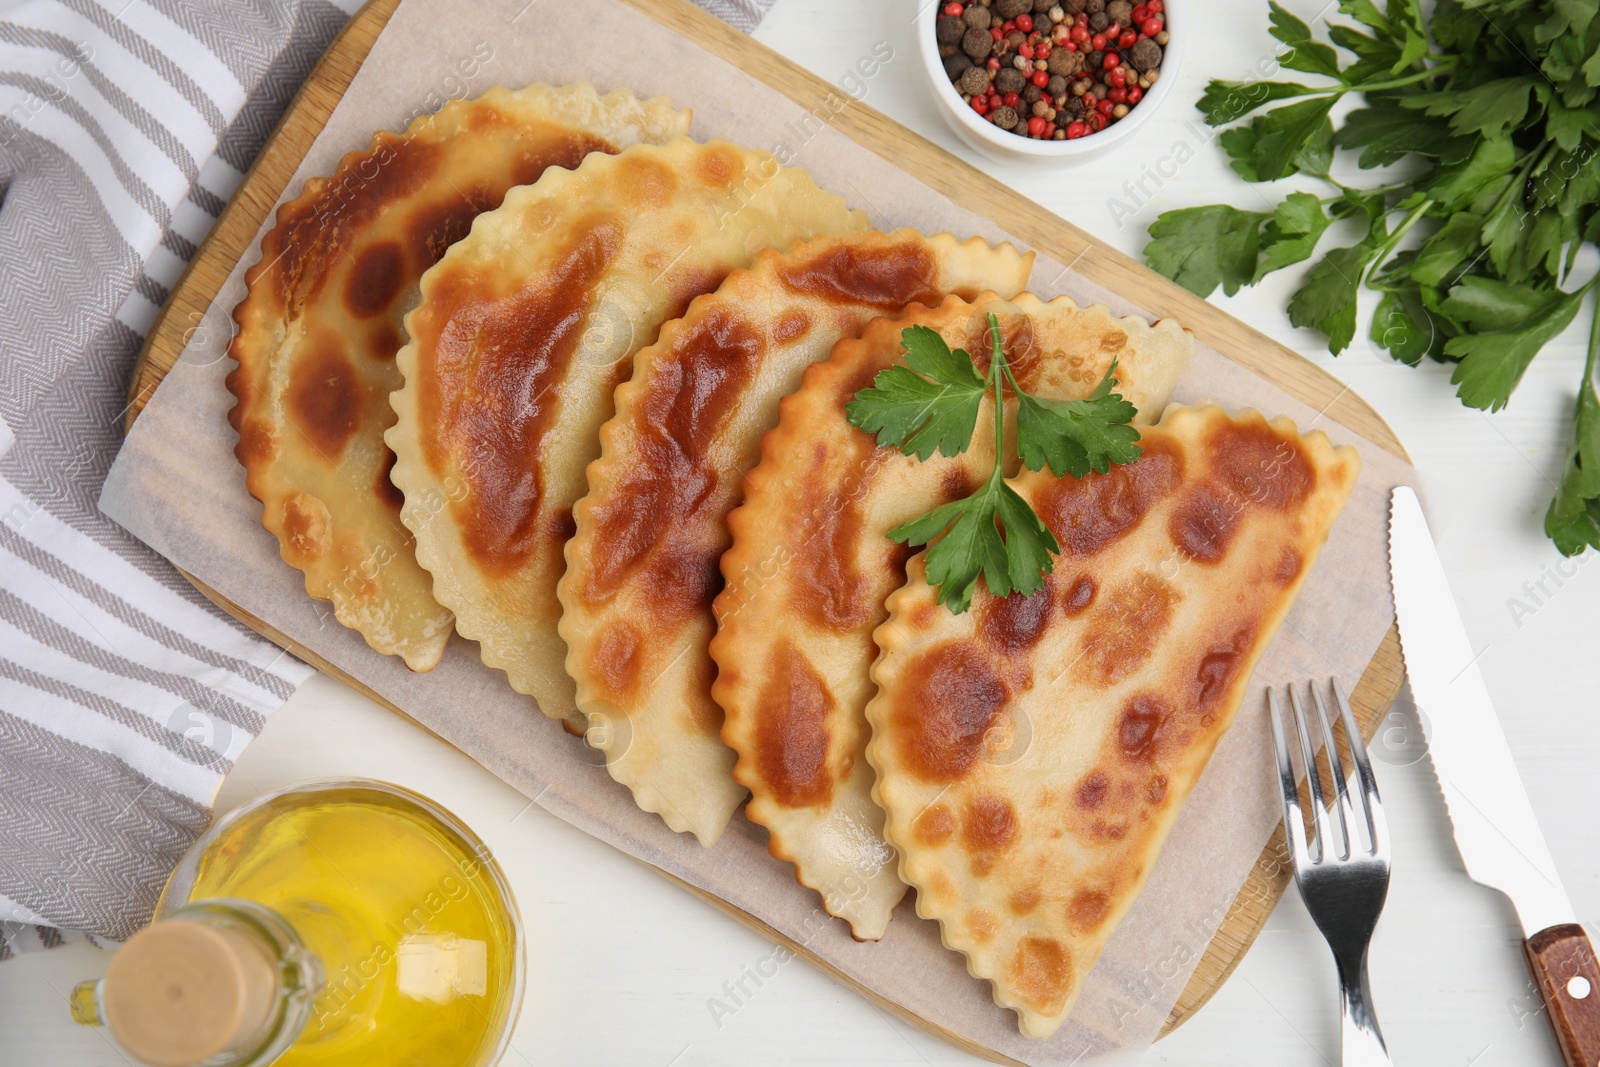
(929, 406)
(1490, 109)
(993, 533)
(1292, 234)
(1281, 135)
(1201, 248)
(1519, 323)
(1573, 521)
(1077, 436)
(1388, 134)
(1306, 54)
(1224, 101)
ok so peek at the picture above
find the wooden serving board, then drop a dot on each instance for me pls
(305, 118)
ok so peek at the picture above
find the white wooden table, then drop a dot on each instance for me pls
(622, 964)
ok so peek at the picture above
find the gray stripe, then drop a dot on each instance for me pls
(29, 37)
(45, 630)
(179, 245)
(206, 200)
(62, 261)
(135, 619)
(89, 840)
(49, 936)
(150, 289)
(315, 26)
(142, 193)
(157, 61)
(176, 743)
(234, 32)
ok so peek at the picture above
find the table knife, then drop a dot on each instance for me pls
(1494, 825)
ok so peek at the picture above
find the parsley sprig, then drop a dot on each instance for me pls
(1472, 252)
(931, 404)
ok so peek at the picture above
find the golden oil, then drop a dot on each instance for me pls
(411, 930)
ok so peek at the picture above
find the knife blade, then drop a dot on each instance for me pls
(1494, 824)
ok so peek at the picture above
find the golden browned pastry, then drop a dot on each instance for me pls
(1033, 753)
(810, 567)
(320, 325)
(525, 329)
(642, 566)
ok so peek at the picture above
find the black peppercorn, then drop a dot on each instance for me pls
(1145, 55)
(1014, 40)
(949, 31)
(1094, 6)
(956, 65)
(974, 80)
(1004, 117)
(1010, 9)
(1058, 86)
(1009, 80)
(1096, 60)
(976, 17)
(1032, 94)
(1099, 21)
(1041, 7)
(977, 44)
(1121, 12)
(1063, 62)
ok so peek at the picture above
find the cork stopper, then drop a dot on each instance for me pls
(180, 992)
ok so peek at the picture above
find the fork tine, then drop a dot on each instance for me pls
(1319, 809)
(1347, 814)
(1371, 803)
(1293, 821)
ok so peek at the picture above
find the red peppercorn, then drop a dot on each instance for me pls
(1080, 34)
(1117, 96)
(998, 35)
(1127, 40)
(1036, 126)
(1025, 23)
(1117, 78)
(1156, 6)
(1111, 60)
(1150, 27)
(1041, 78)
(1105, 106)
(992, 63)
(1097, 122)
(1076, 130)
(1025, 50)
(1081, 20)
(1098, 41)
(1135, 95)
(1070, 46)
(1012, 99)
(1008, 26)
(980, 105)
(1041, 51)
(1112, 30)
(1140, 13)
(953, 10)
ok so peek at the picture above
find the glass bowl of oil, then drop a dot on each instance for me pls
(413, 927)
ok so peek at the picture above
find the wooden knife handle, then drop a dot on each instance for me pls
(1568, 977)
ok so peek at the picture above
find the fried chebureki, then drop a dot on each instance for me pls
(321, 323)
(642, 566)
(1033, 753)
(810, 568)
(524, 330)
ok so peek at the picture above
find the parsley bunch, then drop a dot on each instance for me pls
(1497, 105)
(931, 405)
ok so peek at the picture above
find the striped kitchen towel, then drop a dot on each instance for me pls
(125, 697)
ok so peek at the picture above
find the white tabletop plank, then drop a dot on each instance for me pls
(623, 966)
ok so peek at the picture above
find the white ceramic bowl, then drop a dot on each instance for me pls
(992, 141)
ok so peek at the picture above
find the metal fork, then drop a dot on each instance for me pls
(1343, 882)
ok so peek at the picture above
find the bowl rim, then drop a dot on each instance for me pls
(1010, 143)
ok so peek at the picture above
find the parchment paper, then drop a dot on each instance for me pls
(177, 486)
